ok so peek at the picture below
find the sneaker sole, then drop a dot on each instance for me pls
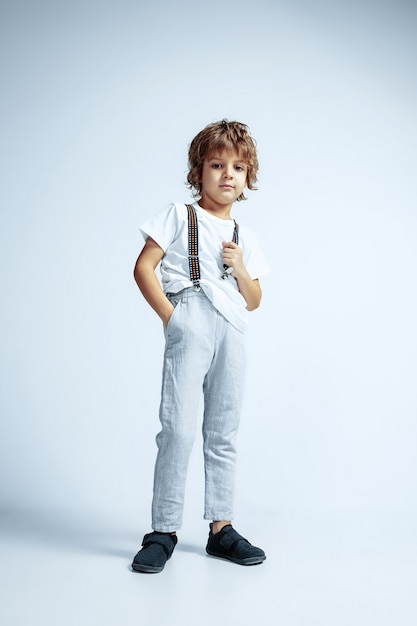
(250, 560)
(146, 569)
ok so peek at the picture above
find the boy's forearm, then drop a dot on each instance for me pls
(151, 289)
(248, 287)
(250, 290)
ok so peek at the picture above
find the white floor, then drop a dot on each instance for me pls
(321, 570)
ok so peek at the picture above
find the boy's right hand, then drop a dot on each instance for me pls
(148, 283)
(166, 315)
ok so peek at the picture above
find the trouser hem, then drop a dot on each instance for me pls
(161, 528)
(218, 517)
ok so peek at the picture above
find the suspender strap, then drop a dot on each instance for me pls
(193, 260)
(236, 233)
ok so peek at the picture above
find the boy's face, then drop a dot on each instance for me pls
(224, 177)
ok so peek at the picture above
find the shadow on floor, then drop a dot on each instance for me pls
(69, 532)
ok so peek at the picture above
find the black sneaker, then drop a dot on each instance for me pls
(228, 544)
(157, 549)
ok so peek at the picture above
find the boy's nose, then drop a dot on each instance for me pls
(228, 172)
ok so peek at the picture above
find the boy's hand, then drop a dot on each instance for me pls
(148, 282)
(166, 314)
(232, 256)
(250, 289)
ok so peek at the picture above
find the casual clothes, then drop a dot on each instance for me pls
(169, 229)
(204, 358)
(204, 354)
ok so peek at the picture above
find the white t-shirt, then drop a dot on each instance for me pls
(169, 229)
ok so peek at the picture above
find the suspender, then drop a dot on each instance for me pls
(193, 260)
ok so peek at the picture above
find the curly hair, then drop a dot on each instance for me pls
(218, 136)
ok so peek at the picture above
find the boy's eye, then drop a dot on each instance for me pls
(216, 166)
(239, 168)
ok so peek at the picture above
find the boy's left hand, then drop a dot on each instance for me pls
(248, 287)
(232, 256)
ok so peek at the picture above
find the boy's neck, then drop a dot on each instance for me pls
(222, 211)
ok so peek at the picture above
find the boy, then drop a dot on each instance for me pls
(210, 270)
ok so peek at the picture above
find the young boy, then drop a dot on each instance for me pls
(210, 270)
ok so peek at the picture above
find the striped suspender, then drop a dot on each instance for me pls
(193, 260)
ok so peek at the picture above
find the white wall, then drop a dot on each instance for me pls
(100, 101)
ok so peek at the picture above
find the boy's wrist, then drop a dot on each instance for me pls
(241, 274)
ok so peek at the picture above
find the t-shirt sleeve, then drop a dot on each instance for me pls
(253, 256)
(163, 227)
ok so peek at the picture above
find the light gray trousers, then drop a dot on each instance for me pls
(204, 358)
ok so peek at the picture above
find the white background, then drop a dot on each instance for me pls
(100, 101)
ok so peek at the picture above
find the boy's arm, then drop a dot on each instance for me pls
(148, 282)
(248, 287)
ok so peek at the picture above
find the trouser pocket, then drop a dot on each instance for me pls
(175, 299)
